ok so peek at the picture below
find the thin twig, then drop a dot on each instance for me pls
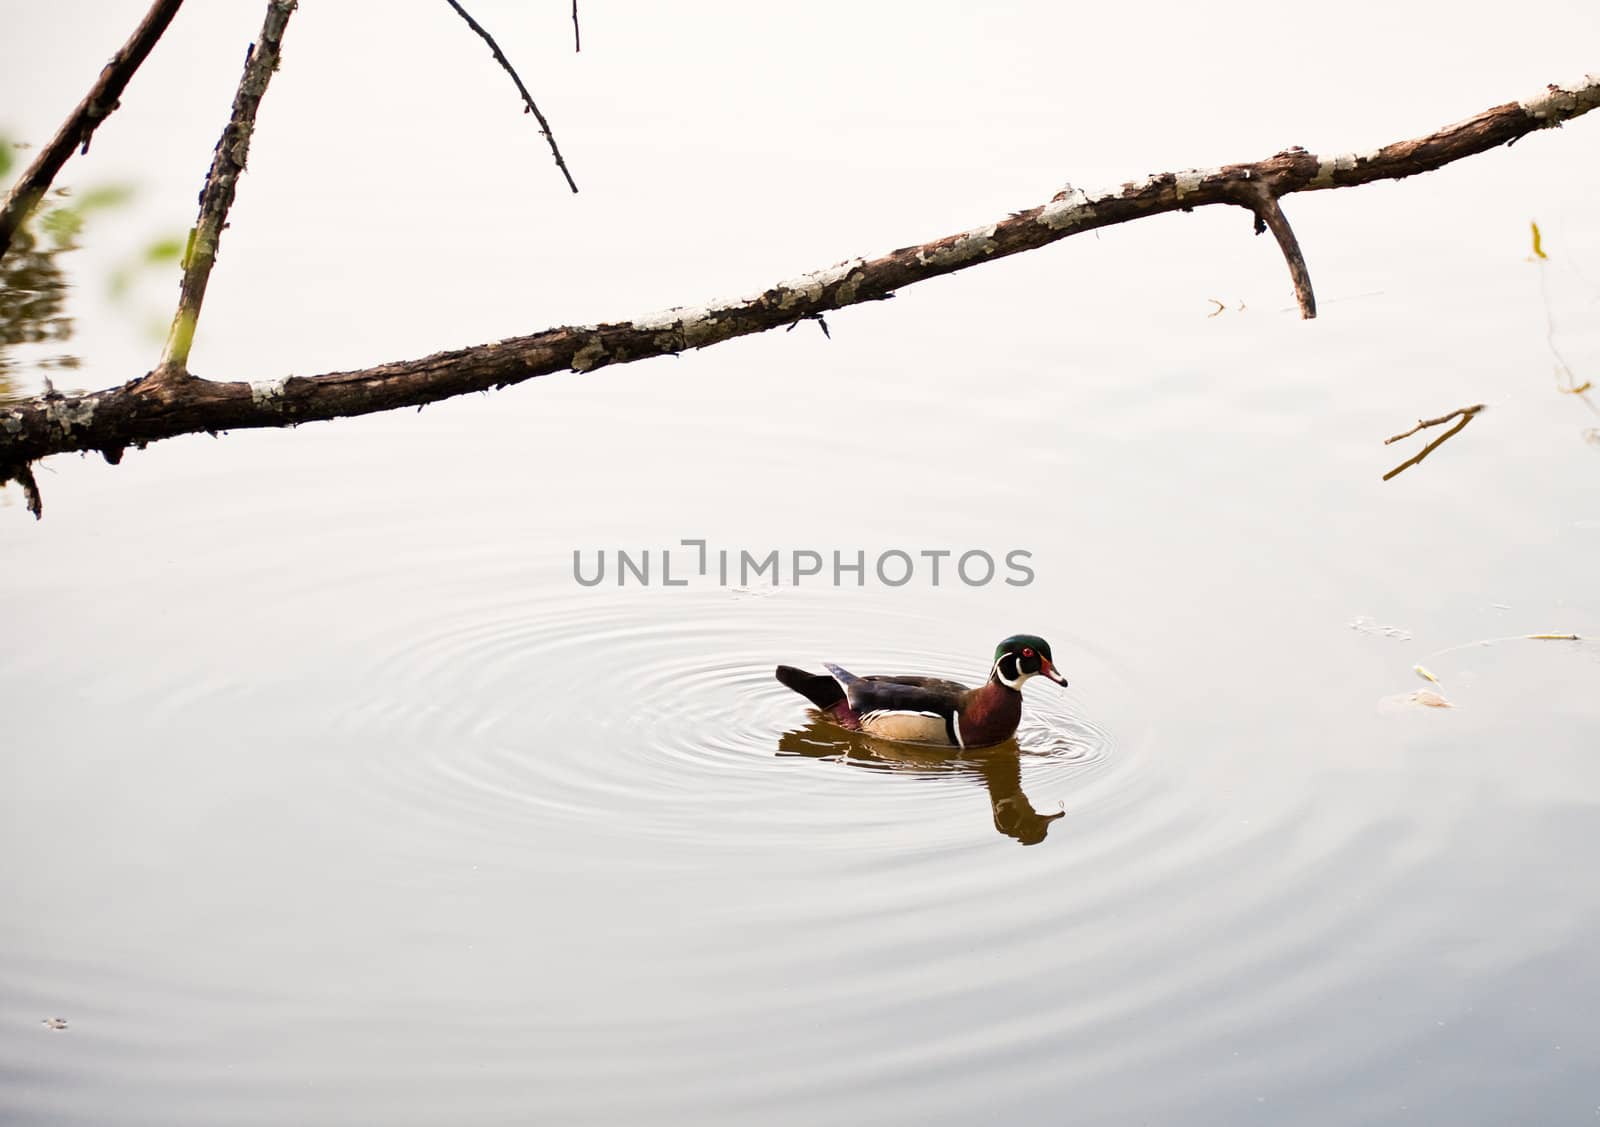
(1423, 424)
(527, 98)
(233, 149)
(1572, 386)
(77, 130)
(1466, 414)
(577, 36)
(818, 318)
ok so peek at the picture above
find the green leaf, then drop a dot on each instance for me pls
(62, 224)
(167, 249)
(104, 196)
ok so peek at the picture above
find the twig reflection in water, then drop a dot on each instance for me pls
(1567, 381)
(1466, 414)
(999, 767)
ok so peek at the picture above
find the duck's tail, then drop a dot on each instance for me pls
(821, 690)
(818, 688)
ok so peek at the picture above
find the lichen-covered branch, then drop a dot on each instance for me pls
(77, 130)
(222, 182)
(138, 413)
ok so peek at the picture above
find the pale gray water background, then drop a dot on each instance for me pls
(328, 797)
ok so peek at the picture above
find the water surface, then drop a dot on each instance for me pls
(330, 797)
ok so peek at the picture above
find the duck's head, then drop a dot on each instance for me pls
(1022, 656)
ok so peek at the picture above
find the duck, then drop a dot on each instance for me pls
(931, 710)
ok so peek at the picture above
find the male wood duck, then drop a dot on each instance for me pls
(929, 710)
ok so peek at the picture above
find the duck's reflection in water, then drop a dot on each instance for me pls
(1000, 768)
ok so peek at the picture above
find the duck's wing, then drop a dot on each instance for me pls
(904, 694)
(935, 684)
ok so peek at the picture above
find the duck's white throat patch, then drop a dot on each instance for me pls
(999, 673)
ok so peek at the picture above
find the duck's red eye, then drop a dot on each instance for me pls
(1026, 652)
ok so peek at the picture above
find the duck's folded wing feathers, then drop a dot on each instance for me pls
(933, 684)
(884, 694)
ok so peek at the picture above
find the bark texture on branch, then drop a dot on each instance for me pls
(222, 182)
(1270, 217)
(138, 412)
(77, 130)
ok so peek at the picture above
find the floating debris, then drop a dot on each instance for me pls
(1553, 637)
(1424, 674)
(1420, 698)
(54, 1023)
(1365, 625)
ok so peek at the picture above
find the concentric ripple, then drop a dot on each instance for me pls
(1175, 902)
(660, 709)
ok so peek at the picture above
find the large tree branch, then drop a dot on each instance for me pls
(222, 182)
(135, 414)
(76, 131)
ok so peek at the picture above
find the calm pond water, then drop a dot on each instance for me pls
(329, 796)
